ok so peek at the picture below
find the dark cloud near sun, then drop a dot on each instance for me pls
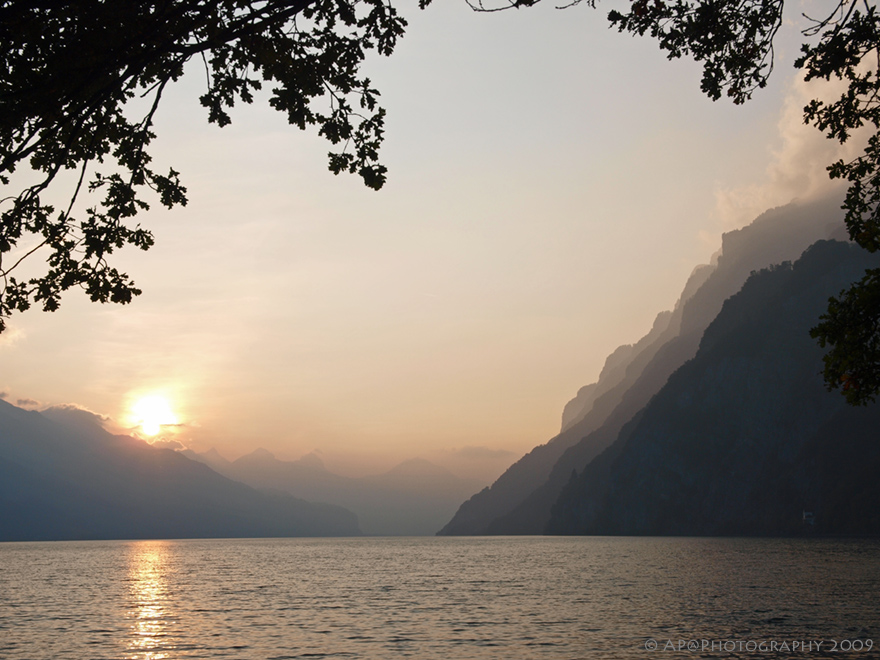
(26, 403)
(164, 443)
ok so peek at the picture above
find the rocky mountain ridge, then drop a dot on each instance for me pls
(743, 439)
(519, 502)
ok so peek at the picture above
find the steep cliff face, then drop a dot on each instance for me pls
(593, 399)
(519, 501)
(743, 438)
(477, 514)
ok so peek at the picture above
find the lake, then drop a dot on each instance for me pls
(450, 598)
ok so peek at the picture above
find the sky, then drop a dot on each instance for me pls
(552, 184)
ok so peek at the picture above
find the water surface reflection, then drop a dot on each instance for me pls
(434, 598)
(150, 607)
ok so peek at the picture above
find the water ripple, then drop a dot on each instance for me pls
(449, 599)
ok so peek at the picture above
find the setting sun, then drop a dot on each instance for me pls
(151, 413)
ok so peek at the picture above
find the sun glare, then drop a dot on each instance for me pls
(151, 413)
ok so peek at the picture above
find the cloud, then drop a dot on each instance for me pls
(168, 444)
(26, 403)
(4, 394)
(798, 167)
(72, 414)
(75, 408)
(11, 336)
(165, 430)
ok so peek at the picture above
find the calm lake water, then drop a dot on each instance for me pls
(450, 598)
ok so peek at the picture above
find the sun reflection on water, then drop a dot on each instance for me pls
(149, 601)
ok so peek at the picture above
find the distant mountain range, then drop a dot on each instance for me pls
(521, 500)
(714, 423)
(62, 476)
(412, 499)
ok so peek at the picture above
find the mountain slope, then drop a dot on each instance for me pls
(743, 438)
(412, 499)
(67, 478)
(519, 501)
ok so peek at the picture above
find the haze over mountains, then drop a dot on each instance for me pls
(520, 501)
(714, 423)
(414, 498)
(62, 476)
(744, 439)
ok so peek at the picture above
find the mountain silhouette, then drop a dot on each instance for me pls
(62, 476)
(519, 502)
(411, 499)
(744, 439)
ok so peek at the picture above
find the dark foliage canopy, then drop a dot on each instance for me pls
(72, 72)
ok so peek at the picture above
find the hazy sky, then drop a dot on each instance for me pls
(552, 184)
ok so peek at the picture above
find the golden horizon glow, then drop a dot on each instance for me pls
(152, 413)
(515, 247)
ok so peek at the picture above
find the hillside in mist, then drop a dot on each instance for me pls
(62, 476)
(414, 498)
(519, 502)
(744, 438)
